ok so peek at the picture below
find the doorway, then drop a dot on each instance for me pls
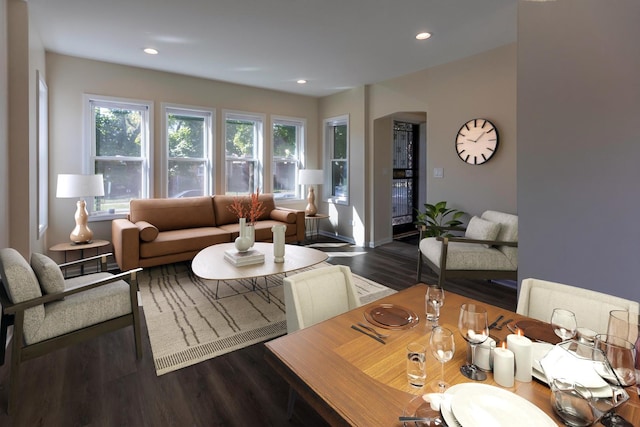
(404, 191)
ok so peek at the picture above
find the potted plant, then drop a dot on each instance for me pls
(438, 220)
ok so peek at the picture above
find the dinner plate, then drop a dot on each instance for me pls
(481, 405)
(538, 351)
(391, 316)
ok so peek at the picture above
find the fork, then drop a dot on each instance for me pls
(503, 324)
(370, 329)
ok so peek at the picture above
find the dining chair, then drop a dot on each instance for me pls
(538, 298)
(316, 295)
(49, 312)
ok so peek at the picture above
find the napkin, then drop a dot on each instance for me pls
(559, 363)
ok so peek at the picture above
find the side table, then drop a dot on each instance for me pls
(312, 225)
(68, 247)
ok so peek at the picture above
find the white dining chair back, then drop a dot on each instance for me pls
(538, 298)
(318, 294)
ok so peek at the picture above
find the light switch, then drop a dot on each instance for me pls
(438, 172)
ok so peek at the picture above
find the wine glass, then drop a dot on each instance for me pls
(474, 328)
(564, 323)
(443, 346)
(433, 300)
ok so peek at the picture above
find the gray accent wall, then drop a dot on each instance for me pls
(579, 143)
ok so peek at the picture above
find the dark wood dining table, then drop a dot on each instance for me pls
(352, 379)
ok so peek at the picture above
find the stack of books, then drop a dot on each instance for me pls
(240, 259)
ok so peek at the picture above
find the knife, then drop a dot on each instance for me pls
(495, 322)
(418, 419)
(368, 334)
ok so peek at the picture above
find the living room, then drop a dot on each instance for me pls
(566, 102)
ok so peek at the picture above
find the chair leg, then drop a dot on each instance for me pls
(291, 403)
(16, 356)
(5, 321)
(419, 274)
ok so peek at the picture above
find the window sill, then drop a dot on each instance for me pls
(97, 217)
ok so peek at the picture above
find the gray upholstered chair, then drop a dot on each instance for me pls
(316, 295)
(488, 250)
(49, 312)
(538, 298)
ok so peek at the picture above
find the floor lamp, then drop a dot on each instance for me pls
(311, 177)
(80, 186)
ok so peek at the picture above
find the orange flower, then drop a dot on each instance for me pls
(250, 208)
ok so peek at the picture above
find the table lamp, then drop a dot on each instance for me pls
(79, 186)
(311, 177)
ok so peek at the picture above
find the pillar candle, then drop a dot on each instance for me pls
(503, 366)
(523, 355)
(484, 357)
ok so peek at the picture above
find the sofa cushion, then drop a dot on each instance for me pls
(481, 229)
(48, 273)
(148, 232)
(187, 240)
(173, 214)
(224, 216)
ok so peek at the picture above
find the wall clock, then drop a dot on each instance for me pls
(477, 141)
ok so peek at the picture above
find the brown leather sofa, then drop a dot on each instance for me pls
(163, 231)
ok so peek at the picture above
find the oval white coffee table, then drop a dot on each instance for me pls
(210, 264)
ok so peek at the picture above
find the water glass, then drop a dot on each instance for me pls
(620, 354)
(416, 364)
(564, 323)
(626, 325)
(433, 300)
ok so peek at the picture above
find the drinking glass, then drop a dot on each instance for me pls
(433, 300)
(443, 346)
(474, 328)
(564, 323)
(626, 325)
(620, 354)
(416, 364)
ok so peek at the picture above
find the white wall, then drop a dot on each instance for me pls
(578, 143)
(69, 78)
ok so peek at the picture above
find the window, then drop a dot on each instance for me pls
(288, 145)
(189, 136)
(336, 134)
(120, 134)
(243, 150)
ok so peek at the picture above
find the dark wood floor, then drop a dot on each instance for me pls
(99, 383)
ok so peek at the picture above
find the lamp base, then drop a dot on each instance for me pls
(81, 234)
(311, 209)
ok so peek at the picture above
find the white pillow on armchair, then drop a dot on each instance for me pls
(481, 229)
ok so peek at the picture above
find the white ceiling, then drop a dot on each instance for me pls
(334, 44)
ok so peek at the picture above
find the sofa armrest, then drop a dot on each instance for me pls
(300, 231)
(125, 237)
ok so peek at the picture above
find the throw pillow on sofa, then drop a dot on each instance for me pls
(148, 232)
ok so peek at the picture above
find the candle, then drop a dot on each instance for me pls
(484, 358)
(503, 366)
(523, 355)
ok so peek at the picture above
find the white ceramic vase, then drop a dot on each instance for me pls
(243, 243)
(250, 233)
(278, 242)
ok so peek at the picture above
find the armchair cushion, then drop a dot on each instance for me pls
(466, 256)
(48, 273)
(481, 229)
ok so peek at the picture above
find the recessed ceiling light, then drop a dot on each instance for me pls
(150, 51)
(423, 36)
(301, 81)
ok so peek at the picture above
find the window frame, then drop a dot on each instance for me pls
(330, 124)
(259, 149)
(300, 159)
(89, 146)
(208, 114)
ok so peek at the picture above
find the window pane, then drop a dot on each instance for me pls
(186, 178)
(186, 136)
(340, 142)
(240, 138)
(284, 178)
(339, 178)
(122, 182)
(241, 176)
(284, 141)
(118, 131)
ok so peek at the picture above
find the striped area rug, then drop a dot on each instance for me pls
(187, 325)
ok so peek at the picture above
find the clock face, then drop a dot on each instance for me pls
(477, 141)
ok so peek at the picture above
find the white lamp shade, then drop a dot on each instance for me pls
(73, 186)
(311, 176)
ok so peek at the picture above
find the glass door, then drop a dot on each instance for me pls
(405, 177)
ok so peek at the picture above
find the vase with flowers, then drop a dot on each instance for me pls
(248, 210)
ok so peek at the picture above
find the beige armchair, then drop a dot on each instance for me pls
(488, 250)
(49, 312)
